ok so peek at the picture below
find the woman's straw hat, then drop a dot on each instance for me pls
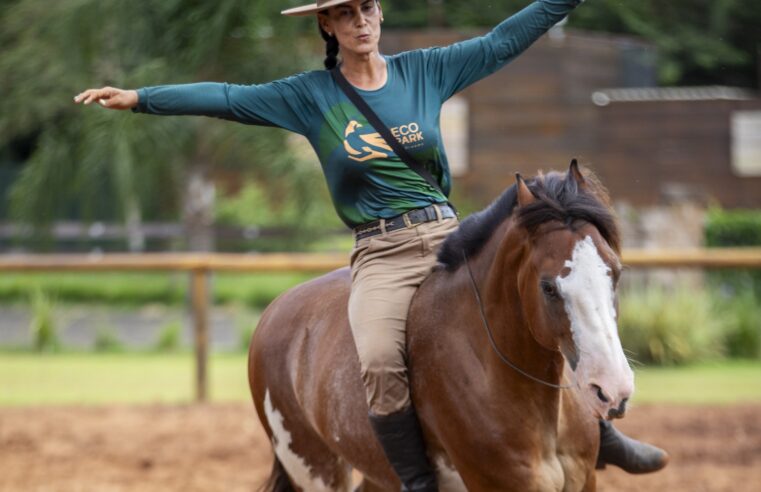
(315, 7)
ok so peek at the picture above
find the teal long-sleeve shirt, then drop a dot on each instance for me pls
(366, 179)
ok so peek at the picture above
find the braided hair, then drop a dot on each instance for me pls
(331, 49)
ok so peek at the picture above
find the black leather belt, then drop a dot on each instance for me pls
(417, 216)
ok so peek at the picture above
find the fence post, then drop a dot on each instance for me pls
(200, 307)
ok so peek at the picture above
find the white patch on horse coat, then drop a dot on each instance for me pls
(449, 479)
(298, 469)
(590, 304)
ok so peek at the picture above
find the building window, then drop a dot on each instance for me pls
(454, 131)
(746, 143)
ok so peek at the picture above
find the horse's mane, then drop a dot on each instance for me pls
(558, 197)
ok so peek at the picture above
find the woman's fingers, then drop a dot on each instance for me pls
(84, 96)
(90, 95)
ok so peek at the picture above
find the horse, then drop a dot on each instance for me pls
(513, 354)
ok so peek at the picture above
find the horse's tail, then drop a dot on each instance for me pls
(278, 481)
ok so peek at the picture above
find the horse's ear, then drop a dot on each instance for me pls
(574, 175)
(525, 197)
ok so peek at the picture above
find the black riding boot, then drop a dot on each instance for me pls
(626, 453)
(402, 440)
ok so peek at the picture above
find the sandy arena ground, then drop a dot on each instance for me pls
(221, 448)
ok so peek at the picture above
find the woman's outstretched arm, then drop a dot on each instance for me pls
(462, 64)
(284, 103)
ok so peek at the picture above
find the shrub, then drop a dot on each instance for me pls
(670, 327)
(101, 287)
(169, 338)
(301, 219)
(106, 340)
(741, 317)
(734, 228)
(42, 326)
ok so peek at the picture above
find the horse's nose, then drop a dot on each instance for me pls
(618, 413)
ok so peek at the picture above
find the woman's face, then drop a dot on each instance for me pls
(356, 25)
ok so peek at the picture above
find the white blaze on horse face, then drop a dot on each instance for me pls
(590, 305)
(298, 469)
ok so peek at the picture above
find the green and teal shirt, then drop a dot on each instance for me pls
(366, 179)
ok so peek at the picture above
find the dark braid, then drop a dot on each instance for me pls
(331, 49)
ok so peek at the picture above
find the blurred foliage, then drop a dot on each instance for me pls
(260, 205)
(169, 338)
(253, 205)
(687, 324)
(42, 325)
(699, 41)
(741, 317)
(734, 228)
(53, 50)
(138, 289)
(670, 327)
(131, 289)
(107, 340)
(739, 290)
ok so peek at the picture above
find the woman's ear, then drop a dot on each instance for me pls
(324, 22)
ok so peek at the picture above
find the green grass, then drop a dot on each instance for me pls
(720, 383)
(89, 379)
(93, 379)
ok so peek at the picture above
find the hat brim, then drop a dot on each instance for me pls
(313, 8)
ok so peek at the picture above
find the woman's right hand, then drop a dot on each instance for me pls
(109, 97)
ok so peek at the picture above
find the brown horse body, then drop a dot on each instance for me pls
(488, 428)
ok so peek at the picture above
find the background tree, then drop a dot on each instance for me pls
(699, 41)
(53, 50)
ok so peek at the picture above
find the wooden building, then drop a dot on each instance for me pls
(593, 97)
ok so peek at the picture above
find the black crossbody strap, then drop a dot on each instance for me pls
(381, 128)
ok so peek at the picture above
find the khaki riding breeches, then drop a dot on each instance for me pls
(386, 270)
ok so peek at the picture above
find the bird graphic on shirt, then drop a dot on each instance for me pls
(370, 145)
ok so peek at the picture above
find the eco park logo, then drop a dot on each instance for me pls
(372, 145)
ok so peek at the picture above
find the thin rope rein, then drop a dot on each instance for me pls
(491, 337)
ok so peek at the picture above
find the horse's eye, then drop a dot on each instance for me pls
(550, 289)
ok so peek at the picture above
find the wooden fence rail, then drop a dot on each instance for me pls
(199, 266)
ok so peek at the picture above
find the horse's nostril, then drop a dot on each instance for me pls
(600, 394)
(622, 406)
(617, 413)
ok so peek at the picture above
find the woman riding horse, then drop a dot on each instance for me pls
(399, 218)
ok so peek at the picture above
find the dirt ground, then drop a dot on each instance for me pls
(221, 448)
